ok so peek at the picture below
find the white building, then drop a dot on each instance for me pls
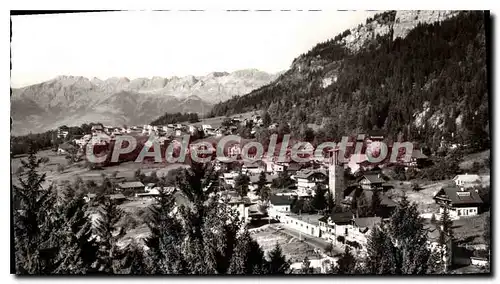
(460, 201)
(252, 168)
(229, 178)
(467, 180)
(278, 206)
(307, 224)
(308, 179)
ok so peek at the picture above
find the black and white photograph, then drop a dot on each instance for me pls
(251, 142)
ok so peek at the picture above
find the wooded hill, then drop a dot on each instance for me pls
(429, 85)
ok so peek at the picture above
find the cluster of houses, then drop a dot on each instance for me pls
(342, 227)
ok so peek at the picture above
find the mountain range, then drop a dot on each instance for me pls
(74, 100)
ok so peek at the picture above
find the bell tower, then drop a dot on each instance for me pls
(335, 178)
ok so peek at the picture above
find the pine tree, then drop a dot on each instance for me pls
(265, 193)
(241, 183)
(108, 235)
(165, 237)
(135, 259)
(34, 221)
(78, 251)
(319, 199)
(277, 261)
(262, 181)
(248, 257)
(409, 238)
(346, 263)
(266, 119)
(445, 237)
(375, 202)
(381, 254)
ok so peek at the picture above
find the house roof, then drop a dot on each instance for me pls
(384, 199)
(116, 196)
(66, 146)
(339, 217)
(458, 196)
(269, 178)
(308, 173)
(255, 164)
(373, 178)
(467, 178)
(367, 222)
(131, 184)
(376, 133)
(417, 154)
(280, 200)
(294, 167)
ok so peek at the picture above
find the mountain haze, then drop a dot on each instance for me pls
(73, 100)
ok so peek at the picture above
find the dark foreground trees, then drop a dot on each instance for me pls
(192, 232)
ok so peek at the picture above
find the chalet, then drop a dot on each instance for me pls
(357, 162)
(229, 178)
(148, 194)
(279, 205)
(274, 168)
(371, 181)
(293, 168)
(134, 186)
(62, 132)
(467, 180)
(305, 223)
(460, 201)
(308, 179)
(241, 205)
(385, 208)
(417, 159)
(337, 224)
(118, 197)
(252, 167)
(65, 148)
(479, 261)
(361, 229)
(97, 129)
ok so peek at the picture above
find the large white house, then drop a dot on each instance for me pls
(308, 179)
(459, 200)
(279, 205)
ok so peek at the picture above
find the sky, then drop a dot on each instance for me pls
(137, 44)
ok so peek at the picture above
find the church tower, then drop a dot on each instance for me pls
(336, 178)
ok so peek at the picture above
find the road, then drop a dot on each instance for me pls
(311, 240)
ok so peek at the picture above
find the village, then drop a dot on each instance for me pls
(277, 199)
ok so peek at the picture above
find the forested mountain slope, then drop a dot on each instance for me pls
(421, 81)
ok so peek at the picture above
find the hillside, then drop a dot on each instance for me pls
(420, 75)
(70, 100)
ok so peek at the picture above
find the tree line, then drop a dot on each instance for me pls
(170, 118)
